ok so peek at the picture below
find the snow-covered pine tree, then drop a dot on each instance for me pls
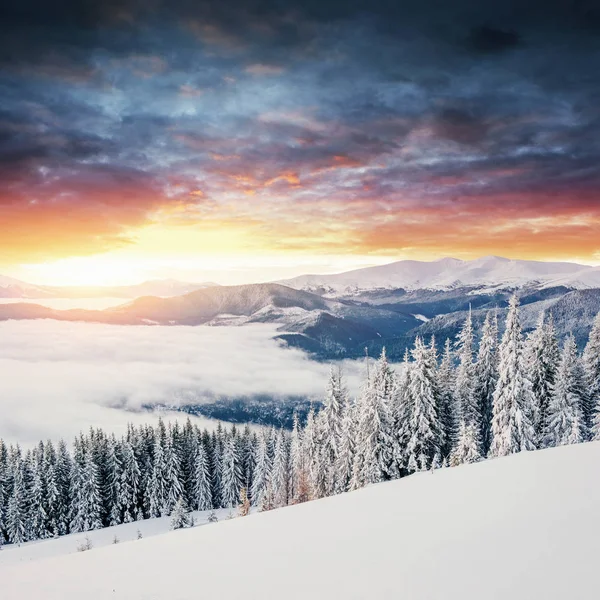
(424, 442)
(486, 377)
(247, 449)
(157, 484)
(202, 498)
(38, 516)
(297, 470)
(402, 409)
(180, 517)
(87, 501)
(231, 472)
(129, 489)
(383, 385)
(279, 479)
(216, 455)
(343, 465)
(17, 511)
(512, 430)
(329, 424)
(367, 466)
(64, 466)
(113, 482)
(565, 423)
(262, 470)
(591, 367)
(541, 357)
(310, 450)
(447, 405)
(173, 476)
(467, 448)
(469, 409)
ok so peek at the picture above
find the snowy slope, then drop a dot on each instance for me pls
(522, 527)
(447, 273)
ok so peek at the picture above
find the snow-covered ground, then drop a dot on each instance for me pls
(522, 527)
(70, 544)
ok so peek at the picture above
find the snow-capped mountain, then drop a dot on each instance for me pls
(519, 527)
(492, 272)
(14, 288)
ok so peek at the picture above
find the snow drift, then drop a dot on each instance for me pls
(520, 527)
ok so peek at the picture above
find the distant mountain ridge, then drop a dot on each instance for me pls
(449, 273)
(14, 288)
(338, 316)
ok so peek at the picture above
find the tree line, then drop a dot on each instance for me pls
(490, 399)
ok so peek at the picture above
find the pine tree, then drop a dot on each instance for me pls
(231, 473)
(330, 427)
(467, 449)
(173, 476)
(541, 359)
(180, 517)
(511, 425)
(402, 416)
(64, 474)
(565, 420)
(113, 483)
(297, 468)
(591, 367)
(469, 409)
(129, 489)
(87, 501)
(157, 484)
(38, 517)
(345, 458)
(383, 386)
(310, 450)
(202, 498)
(425, 432)
(447, 406)
(262, 471)
(366, 468)
(486, 377)
(279, 479)
(16, 517)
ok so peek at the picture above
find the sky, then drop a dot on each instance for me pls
(250, 140)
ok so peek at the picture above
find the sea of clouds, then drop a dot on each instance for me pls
(58, 378)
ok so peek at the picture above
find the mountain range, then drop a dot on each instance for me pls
(332, 316)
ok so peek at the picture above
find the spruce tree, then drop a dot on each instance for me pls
(279, 479)
(591, 367)
(129, 488)
(424, 442)
(486, 377)
(469, 409)
(330, 426)
(262, 471)
(297, 468)
(565, 422)
(343, 465)
(541, 359)
(202, 497)
(17, 511)
(231, 472)
(512, 429)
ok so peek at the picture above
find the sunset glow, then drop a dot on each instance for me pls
(235, 146)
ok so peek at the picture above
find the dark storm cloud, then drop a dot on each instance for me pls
(134, 104)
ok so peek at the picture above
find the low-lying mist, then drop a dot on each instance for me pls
(57, 378)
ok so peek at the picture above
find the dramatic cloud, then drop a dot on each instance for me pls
(61, 378)
(281, 118)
